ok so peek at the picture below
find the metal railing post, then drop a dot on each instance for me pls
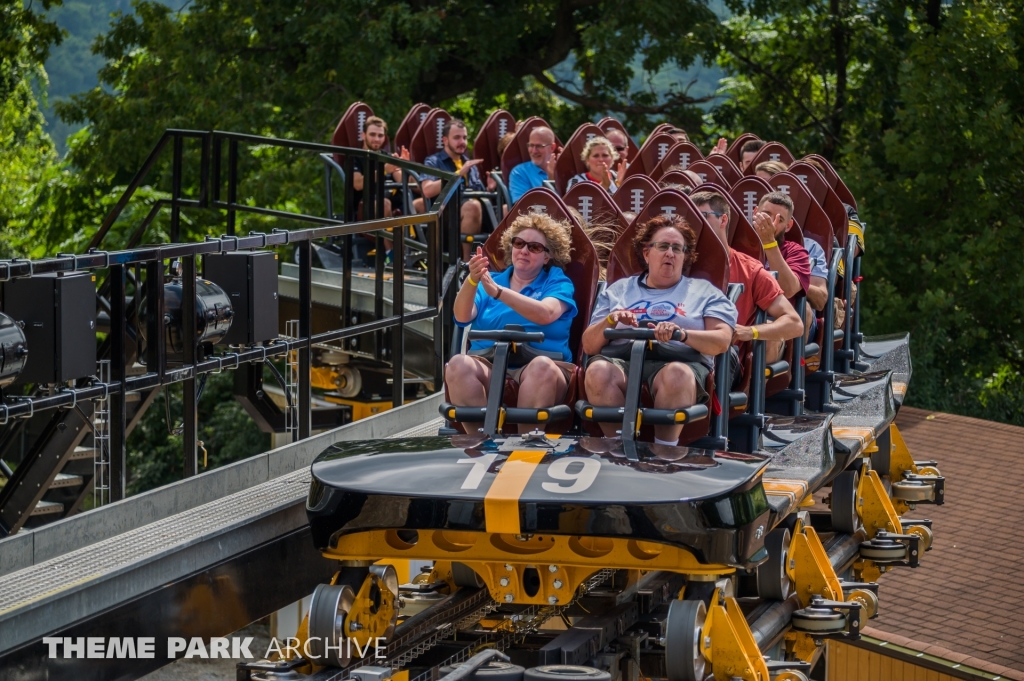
(155, 352)
(176, 189)
(398, 308)
(232, 184)
(305, 253)
(117, 427)
(189, 398)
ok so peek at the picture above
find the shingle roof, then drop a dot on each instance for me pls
(967, 596)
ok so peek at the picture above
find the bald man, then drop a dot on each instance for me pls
(540, 167)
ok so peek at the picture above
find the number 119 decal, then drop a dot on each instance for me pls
(579, 472)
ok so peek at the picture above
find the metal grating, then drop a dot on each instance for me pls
(111, 556)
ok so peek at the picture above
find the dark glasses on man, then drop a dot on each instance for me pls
(532, 246)
(663, 246)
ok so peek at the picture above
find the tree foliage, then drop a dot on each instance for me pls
(920, 104)
(26, 152)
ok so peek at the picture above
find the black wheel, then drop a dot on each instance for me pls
(773, 582)
(565, 672)
(883, 551)
(844, 502)
(819, 620)
(495, 670)
(684, 629)
(328, 609)
(463, 575)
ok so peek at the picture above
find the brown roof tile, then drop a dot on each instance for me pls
(962, 598)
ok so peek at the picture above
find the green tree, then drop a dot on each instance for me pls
(228, 434)
(26, 152)
(921, 106)
(943, 198)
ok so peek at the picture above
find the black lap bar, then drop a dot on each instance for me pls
(776, 369)
(512, 414)
(673, 417)
(636, 334)
(507, 336)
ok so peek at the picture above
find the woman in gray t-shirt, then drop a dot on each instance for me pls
(662, 299)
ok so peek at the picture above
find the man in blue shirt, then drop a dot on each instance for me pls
(540, 167)
(454, 160)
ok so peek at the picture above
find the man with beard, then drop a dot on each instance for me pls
(375, 136)
(453, 159)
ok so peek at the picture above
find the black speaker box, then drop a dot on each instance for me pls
(59, 318)
(250, 280)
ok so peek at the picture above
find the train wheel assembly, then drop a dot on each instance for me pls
(684, 631)
(844, 502)
(773, 580)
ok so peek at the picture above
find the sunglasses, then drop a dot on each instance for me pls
(620, 149)
(532, 246)
(706, 213)
(663, 246)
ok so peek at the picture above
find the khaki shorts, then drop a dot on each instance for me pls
(651, 369)
(515, 374)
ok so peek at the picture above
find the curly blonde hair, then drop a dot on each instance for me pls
(588, 148)
(556, 232)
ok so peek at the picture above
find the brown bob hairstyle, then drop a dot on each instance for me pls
(645, 234)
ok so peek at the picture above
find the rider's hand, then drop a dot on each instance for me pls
(478, 265)
(490, 288)
(623, 317)
(765, 225)
(464, 170)
(721, 147)
(663, 331)
(742, 333)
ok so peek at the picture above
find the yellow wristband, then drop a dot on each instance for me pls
(753, 332)
(474, 283)
(611, 322)
(774, 244)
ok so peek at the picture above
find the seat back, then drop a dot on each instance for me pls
(595, 205)
(735, 150)
(713, 257)
(680, 154)
(709, 173)
(651, 154)
(773, 151)
(409, 125)
(569, 162)
(836, 182)
(583, 268)
(427, 139)
(676, 178)
(742, 235)
(725, 166)
(634, 193)
(485, 146)
(349, 132)
(825, 196)
(607, 123)
(807, 212)
(748, 192)
(516, 152)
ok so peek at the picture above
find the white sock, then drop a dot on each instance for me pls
(670, 443)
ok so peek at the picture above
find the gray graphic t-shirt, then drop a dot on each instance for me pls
(686, 304)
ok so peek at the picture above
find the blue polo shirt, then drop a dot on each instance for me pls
(442, 161)
(525, 177)
(493, 315)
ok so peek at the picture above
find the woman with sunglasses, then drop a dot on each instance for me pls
(664, 299)
(534, 293)
(598, 155)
